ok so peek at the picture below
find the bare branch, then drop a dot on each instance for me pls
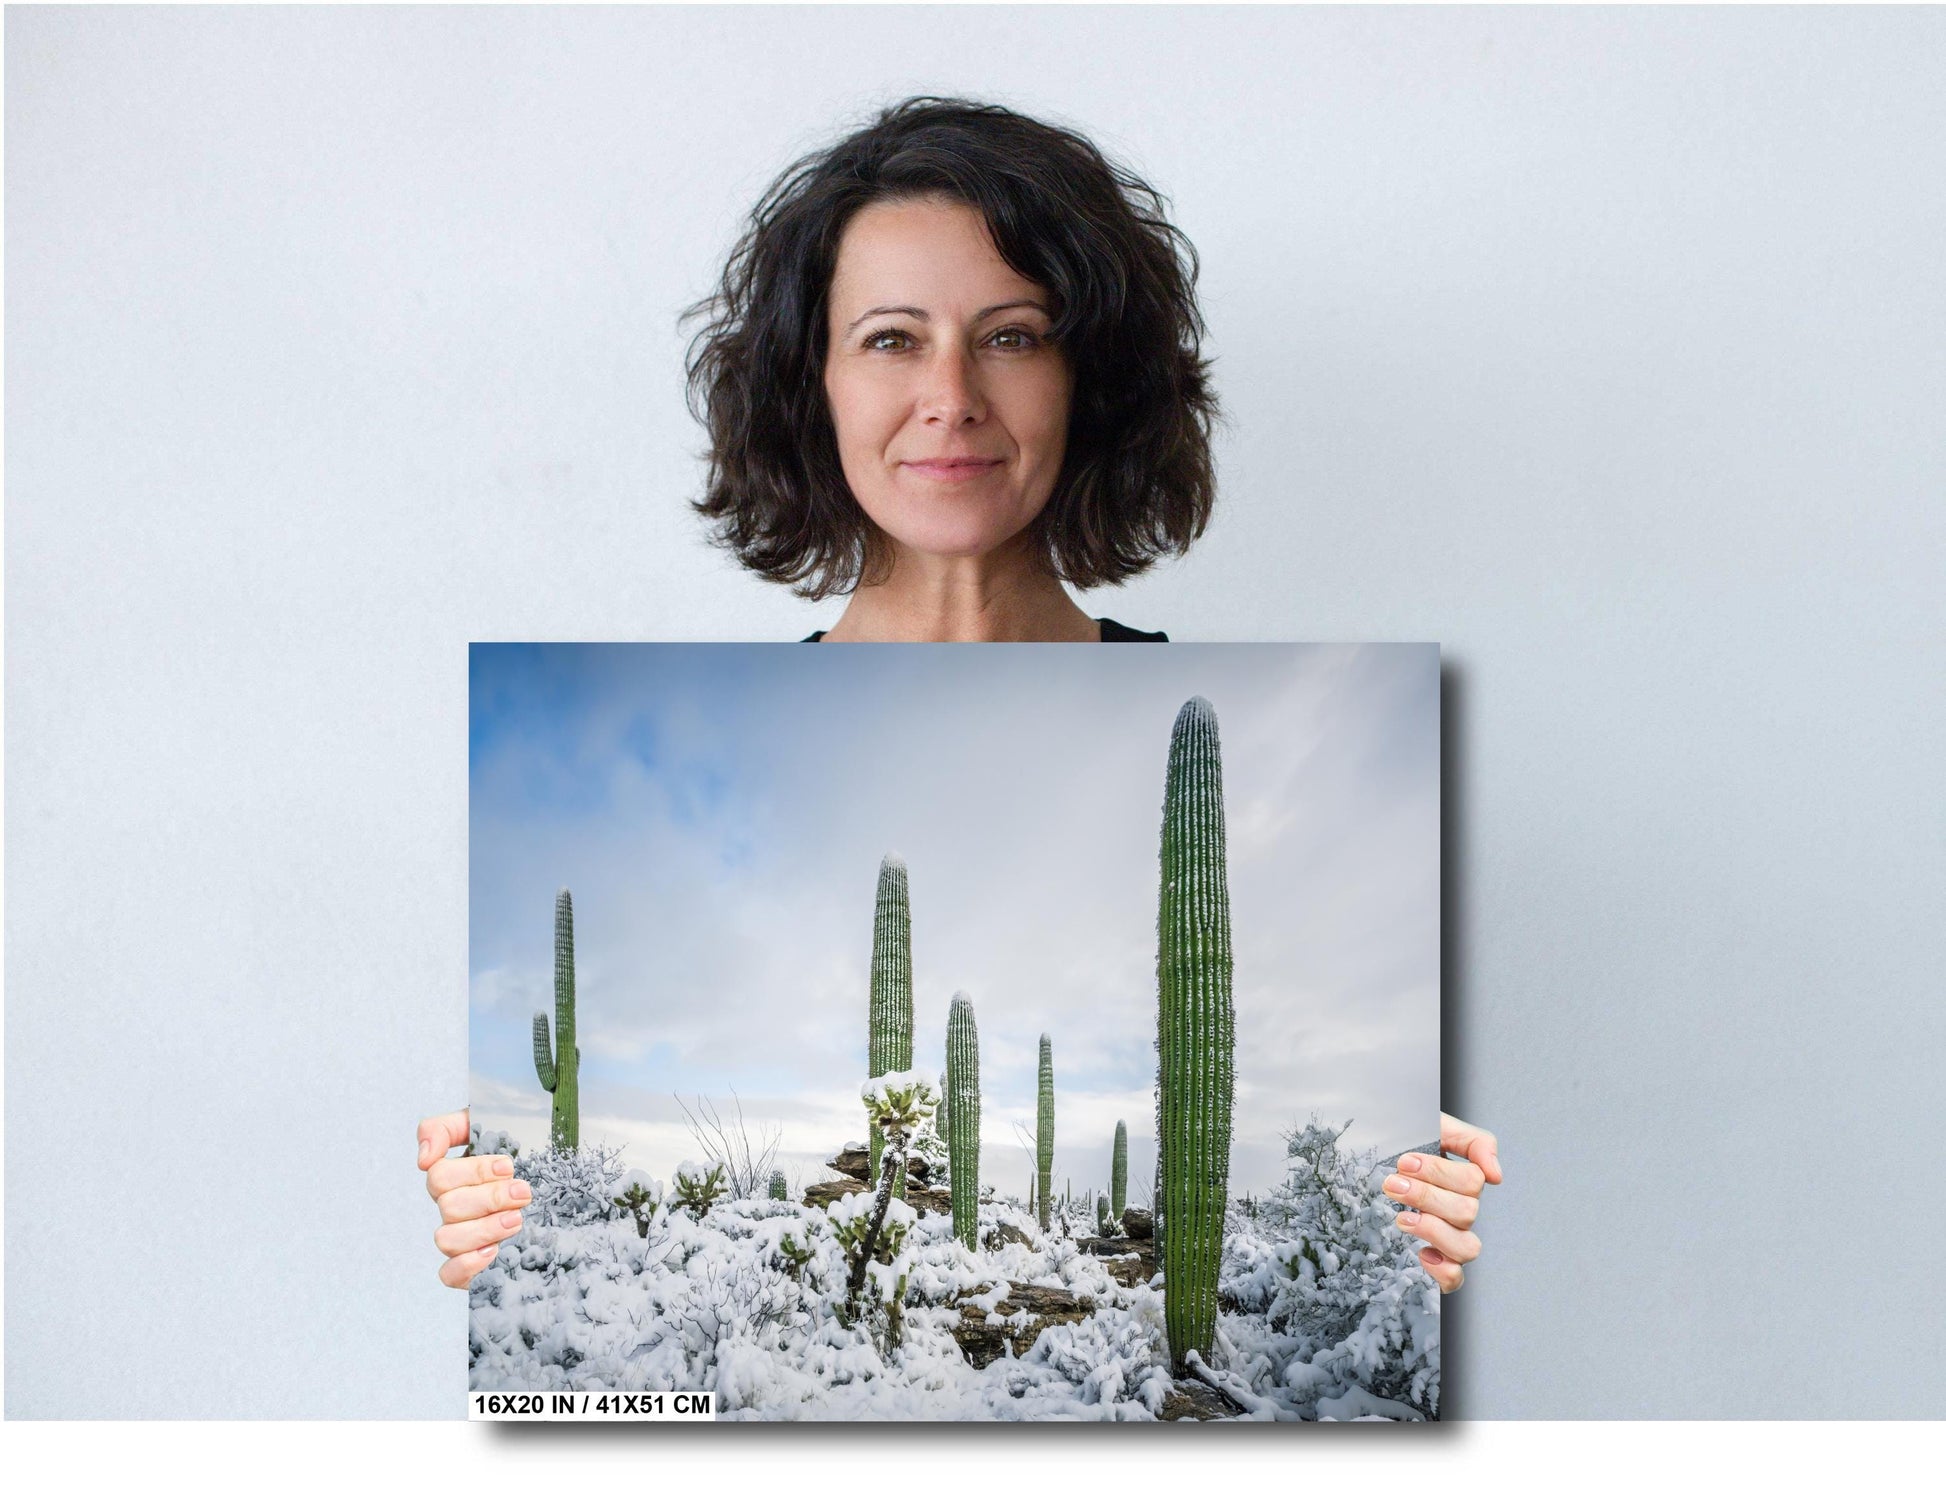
(746, 1159)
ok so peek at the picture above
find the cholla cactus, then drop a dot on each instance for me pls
(559, 1066)
(779, 1186)
(898, 1104)
(889, 1042)
(869, 1233)
(1044, 1133)
(1195, 1032)
(641, 1198)
(698, 1186)
(960, 1114)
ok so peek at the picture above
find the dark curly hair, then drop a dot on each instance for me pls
(1136, 480)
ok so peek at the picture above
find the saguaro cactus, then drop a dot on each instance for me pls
(1044, 1133)
(1195, 1032)
(560, 1065)
(1118, 1172)
(960, 1112)
(779, 1186)
(889, 1049)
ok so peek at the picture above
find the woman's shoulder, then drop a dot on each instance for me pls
(1111, 633)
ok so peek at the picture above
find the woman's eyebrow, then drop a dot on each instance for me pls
(923, 317)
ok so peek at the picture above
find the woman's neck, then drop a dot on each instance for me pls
(931, 599)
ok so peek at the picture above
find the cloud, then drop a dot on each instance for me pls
(719, 812)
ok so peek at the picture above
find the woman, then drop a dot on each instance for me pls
(952, 369)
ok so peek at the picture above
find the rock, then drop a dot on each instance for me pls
(853, 1161)
(1139, 1224)
(1198, 1400)
(1014, 1234)
(824, 1195)
(985, 1343)
(939, 1201)
(1131, 1262)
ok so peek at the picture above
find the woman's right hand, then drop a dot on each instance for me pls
(479, 1198)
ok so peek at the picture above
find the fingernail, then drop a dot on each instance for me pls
(520, 1190)
(1409, 1217)
(487, 1252)
(511, 1220)
(1430, 1257)
(1398, 1185)
(424, 1148)
(1409, 1163)
(503, 1167)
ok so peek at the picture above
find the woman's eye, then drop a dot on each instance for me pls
(872, 340)
(1014, 338)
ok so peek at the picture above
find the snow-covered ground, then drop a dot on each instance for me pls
(1327, 1314)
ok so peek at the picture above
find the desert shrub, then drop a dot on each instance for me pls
(1323, 1260)
(572, 1185)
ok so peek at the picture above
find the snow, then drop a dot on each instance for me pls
(749, 1302)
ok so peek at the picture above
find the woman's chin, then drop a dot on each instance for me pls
(951, 540)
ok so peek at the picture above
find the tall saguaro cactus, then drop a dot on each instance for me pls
(1195, 1032)
(960, 1110)
(560, 1065)
(889, 1048)
(1118, 1172)
(1044, 1132)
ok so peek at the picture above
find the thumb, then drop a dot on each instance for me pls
(439, 1134)
(1477, 1146)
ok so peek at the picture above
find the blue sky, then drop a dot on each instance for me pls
(719, 812)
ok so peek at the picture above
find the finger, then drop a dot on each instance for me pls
(1460, 1245)
(472, 1200)
(1458, 1210)
(459, 1271)
(1472, 1143)
(439, 1134)
(1448, 1172)
(470, 1235)
(450, 1173)
(1446, 1272)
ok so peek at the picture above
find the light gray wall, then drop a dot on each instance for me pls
(1606, 347)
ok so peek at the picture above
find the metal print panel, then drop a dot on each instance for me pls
(958, 1032)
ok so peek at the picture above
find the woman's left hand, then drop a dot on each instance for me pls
(1443, 1200)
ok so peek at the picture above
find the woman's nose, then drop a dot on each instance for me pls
(952, 391)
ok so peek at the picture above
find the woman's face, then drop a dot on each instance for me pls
(951, 408)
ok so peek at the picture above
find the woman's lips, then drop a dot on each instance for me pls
(950, 471)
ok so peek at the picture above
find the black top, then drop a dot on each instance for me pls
(1111, 633)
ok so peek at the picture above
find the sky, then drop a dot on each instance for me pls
(719, 812)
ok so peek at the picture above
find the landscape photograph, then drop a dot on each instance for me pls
(936, 1032)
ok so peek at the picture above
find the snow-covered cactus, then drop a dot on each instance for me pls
(560, 1065)
(641, 1198)
(698, 1186)
(1044, 1133)
(1118, 1172)
(889, 1047)
(779, 1187)
(960, 1113)
(898, 1104)
(1104, 1221)
(1195, 1034)
(939, 1121)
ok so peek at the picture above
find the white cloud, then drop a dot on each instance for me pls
(724, 890)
